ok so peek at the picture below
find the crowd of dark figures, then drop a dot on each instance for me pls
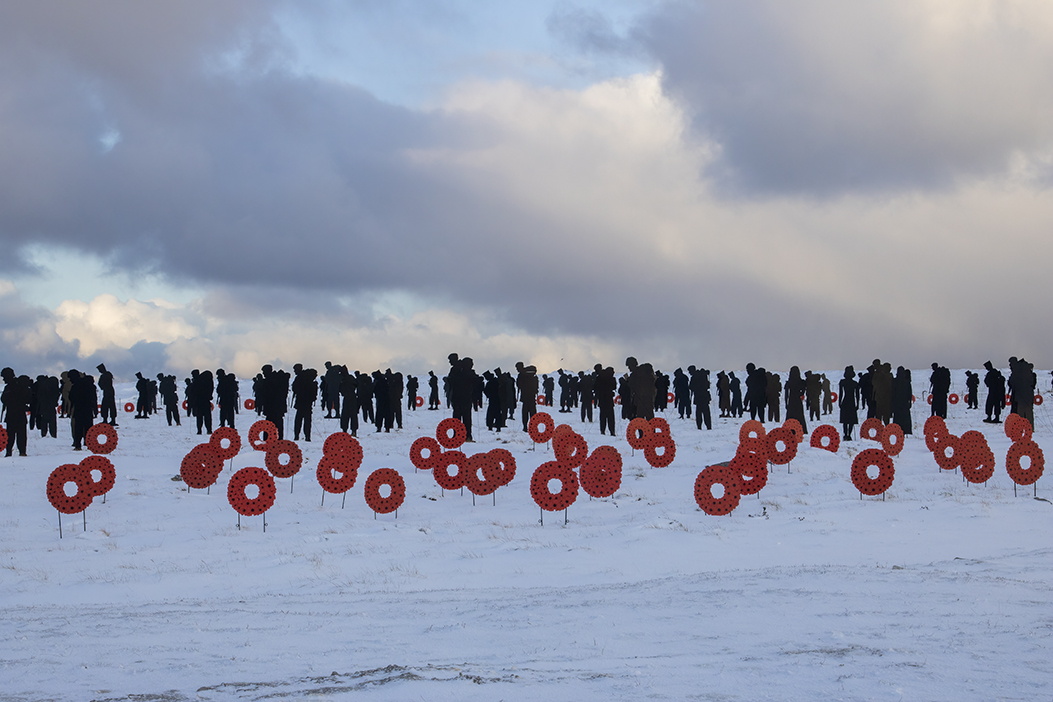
(378, 397)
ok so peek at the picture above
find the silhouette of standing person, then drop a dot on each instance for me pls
(169, 397)
(774, 397)
(411, 392)
(203, 391)
(902, 394)
(995, 383)
(109, 400)
(47, 399)
(549, 385)
(866, 393)
(1022, 383)
(16, 400)
(495, 413)
(642, 385)
(699, 386)
(83, 406)
(142, 403)
(735, 385)
(331, 396)
(396, 387)
(365, 397)
(305, 392)
(682, 393)
(462, 388)
(275, 397)
(813, 389)
(586, 388)
(756, 391)
(940, 386)
(526, 381)
(604, 389)
(794, 390)
(227, 395)
(972, 384)
(724, 394)
(625, 395)
(848, 402)
(349, 402)
(881, 388)
(382, 412)
(433, 391)
(828, 396)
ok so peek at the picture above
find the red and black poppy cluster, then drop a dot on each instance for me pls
(261, 433)
(419, 447)
(273, 458)
(568, 491)
(650, 436)
(945, 446)
(80, 474)
(242, 504)
(601, 474)
(794, 426)
(201, 467)
(93, 439)
(871, 428)
(230, 435)
(391, 478)
(570, 447)
(481, 473)
(1019, 430)
(541, 419)
(827, 433)
(107, 474)
(726, 476)
(341, 453)
(978, 460)
(788, 438)
(890, 436)
(751, 429)
(886, 471)
(451, 433)
(571, 452)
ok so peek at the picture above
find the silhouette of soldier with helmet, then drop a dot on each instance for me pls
(109, 400)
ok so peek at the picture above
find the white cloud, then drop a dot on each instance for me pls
(107, 321)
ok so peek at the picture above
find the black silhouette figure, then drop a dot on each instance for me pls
(847, 402)
(972, 385)
(16, 400)
(940, 386)
(699, 386)
(995, 383)
(305, 392)
(169, 397)
(48, 394)
(604, 389)
(794, 390)
(433, 391)
(526, 382)
(109, 400)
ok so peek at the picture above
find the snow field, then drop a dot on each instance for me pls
(940, 591)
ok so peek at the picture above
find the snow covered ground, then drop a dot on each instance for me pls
(941, 591)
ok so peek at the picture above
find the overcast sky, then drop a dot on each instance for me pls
(206, 184)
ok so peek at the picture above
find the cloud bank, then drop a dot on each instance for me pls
(819, 184)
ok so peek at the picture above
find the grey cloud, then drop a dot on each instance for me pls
(824, 97)
(588, 29)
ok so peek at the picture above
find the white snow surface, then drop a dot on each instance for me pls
(941, 590)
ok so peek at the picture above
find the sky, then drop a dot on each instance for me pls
(202, 184)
